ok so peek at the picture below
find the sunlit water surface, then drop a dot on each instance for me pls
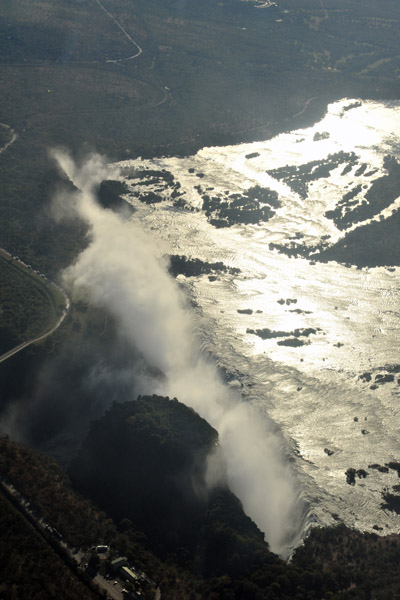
(331, 418)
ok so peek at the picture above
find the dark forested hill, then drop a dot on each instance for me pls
(225, 558)
(146, 460)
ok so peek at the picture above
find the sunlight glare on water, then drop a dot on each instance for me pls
(335, 392)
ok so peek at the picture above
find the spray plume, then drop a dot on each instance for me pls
(121, 271)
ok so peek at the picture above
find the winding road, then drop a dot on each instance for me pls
(136, 45)
(20, 347)
(44, 335)
(13, 137)
(126, 34)
(304, 107)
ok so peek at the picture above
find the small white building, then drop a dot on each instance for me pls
(128, 575)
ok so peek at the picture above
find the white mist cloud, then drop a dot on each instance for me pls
(120, 270)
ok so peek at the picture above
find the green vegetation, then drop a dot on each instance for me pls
(268, 334)
(58, 386)
(297, 178)
(109, 194)
(361, 565)
(29, 568)
(60, 86)
(28, 305)
(193, 267)
(252, 206)
(382, 193)
(161, 486)
(210, 73)
(39, 478)
(5, 136)
(229, 559)
(372, 245)
(42, 481)
(144, 461)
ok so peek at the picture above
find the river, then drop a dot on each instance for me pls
(314, 346)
